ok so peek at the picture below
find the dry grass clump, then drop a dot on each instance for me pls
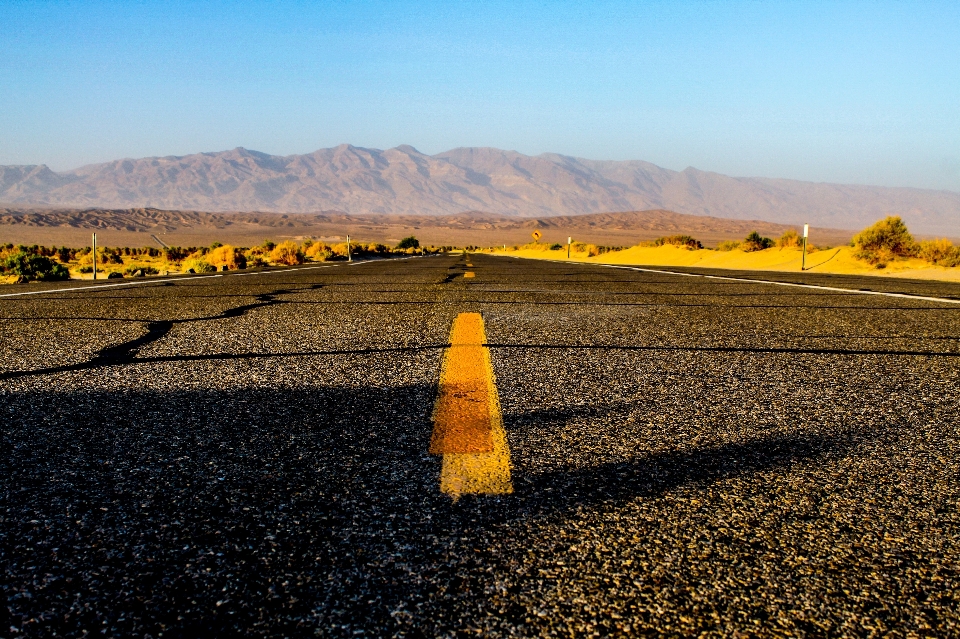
(196, 263)
(683, 241)
(592, 250)
(135, 267)
(728, 245)
(537, 246)
(790, 239)
(793, 240)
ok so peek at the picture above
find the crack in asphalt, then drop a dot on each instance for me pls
(124, 353)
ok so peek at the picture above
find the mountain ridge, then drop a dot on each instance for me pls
(404, 181)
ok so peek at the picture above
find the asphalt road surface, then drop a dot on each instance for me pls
(248, 455)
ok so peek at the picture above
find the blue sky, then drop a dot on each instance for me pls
(835, 91)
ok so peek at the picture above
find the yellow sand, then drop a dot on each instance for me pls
(836, 260)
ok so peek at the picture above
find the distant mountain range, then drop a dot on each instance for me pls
(403, 181)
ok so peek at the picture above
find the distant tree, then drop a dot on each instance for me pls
(409, 243)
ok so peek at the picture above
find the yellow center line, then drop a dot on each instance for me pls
(467, 424)
(469, 274)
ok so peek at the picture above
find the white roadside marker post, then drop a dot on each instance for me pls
(803, 260)
(349, 257)
(94, 254)
(569, 242)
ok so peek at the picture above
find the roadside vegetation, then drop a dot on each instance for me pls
(889, 240)
(887, 244)
(683, 241)
(21, 263)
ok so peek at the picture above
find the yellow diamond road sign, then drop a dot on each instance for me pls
(536, 235)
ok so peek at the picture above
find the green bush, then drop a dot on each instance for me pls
(884, 241)
(755, 242)
(34, 267)
(728, 245)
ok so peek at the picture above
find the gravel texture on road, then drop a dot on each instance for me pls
(248, 456)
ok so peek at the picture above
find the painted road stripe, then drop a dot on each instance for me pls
(467, 423)
(469, 274)
(793, 284)
(853, 291)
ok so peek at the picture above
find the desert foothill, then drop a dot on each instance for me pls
(628, 320)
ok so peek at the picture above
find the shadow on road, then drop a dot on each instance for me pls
(209, 511)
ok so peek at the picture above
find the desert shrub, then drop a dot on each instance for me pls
(940, 251)
(409, 242)
(33, 267)
(339, 250)
(174, 253)
(268, 246)
(146, 268)
(288, 253)
(198, 264)
(755, 242)
(728, 245)
(556, 247)
(684, 241)
(256, 261)
(790, 239)
(883, 242)
(319, 252)
(226, 255)
(109, 256)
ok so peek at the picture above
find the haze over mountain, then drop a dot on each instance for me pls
(403, 181)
